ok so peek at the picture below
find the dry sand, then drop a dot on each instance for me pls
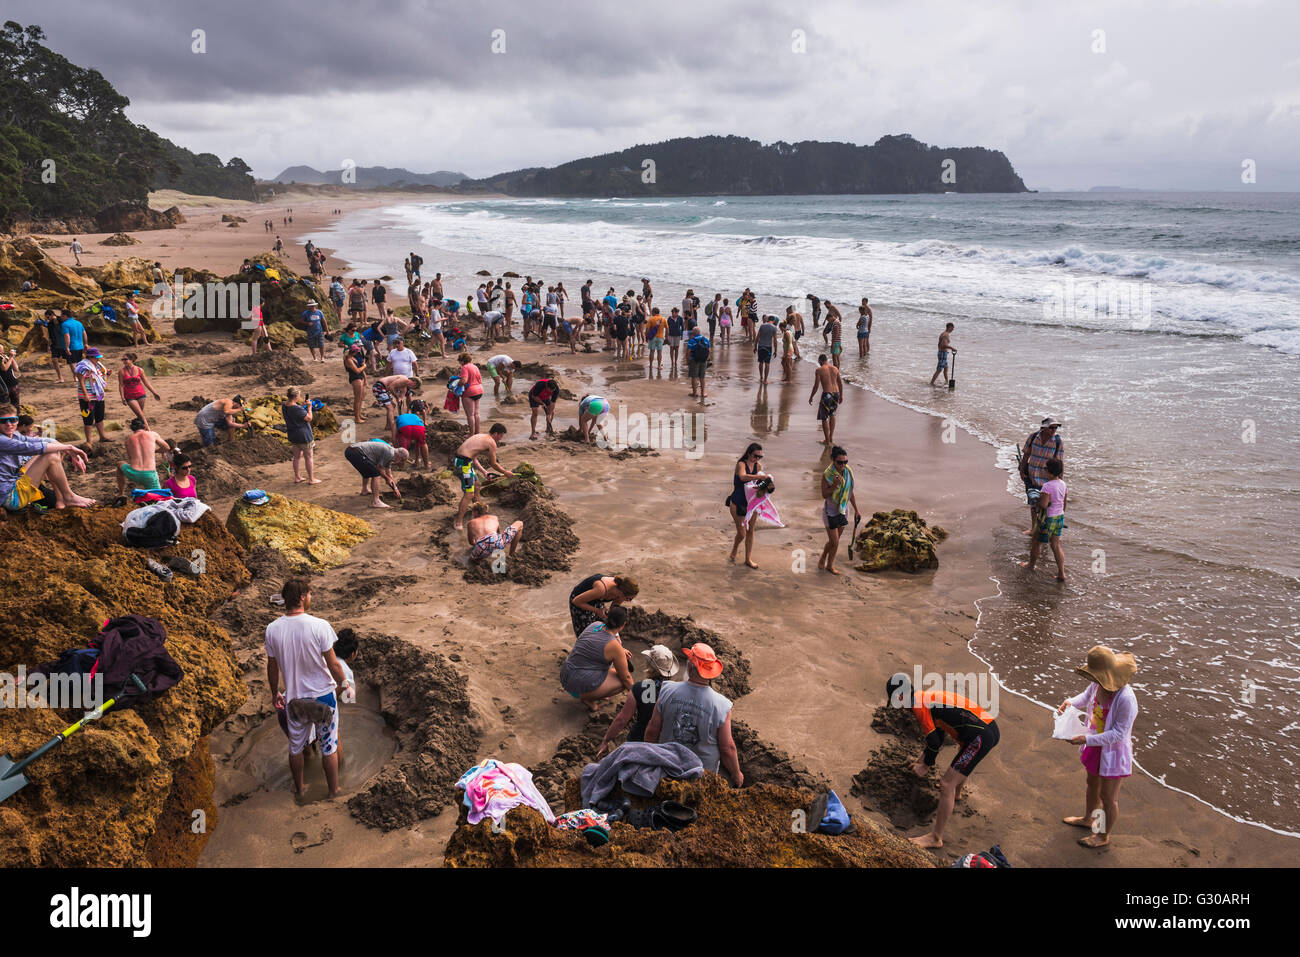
(819, 648)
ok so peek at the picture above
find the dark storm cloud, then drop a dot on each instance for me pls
(1180, 96)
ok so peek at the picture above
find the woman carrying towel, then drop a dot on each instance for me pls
(1107, 753)
(747, 470)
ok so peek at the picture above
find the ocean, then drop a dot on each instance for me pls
(1162, 328)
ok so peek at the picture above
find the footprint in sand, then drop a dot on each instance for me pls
(300, 842)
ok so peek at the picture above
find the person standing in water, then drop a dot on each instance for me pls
(1051, 520)
(945, 347)
(747, 470)
(827, 379)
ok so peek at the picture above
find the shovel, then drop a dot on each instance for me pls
(11, 777)
(952, 379)
(857, 517)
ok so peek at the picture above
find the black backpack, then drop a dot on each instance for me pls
(700, 350)
(159, 529)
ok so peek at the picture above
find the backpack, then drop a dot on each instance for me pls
(151, 527)
(708, 310)
(699, 349)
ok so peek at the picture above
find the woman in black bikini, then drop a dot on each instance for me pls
(746, 471)
(354, 361)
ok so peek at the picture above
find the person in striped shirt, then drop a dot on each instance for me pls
(1040, 448)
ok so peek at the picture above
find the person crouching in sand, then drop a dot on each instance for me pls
(485, 536)
(940, 713)
(467, 467)
(598, 666)
(374, 460)
(590, 409)
(589, 597)
(1107, 749)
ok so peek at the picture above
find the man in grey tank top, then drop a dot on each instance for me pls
(691, 713)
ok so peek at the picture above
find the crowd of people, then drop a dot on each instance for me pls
(384, 373)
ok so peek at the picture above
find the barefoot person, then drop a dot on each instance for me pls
(838, 495)
(467, 467)
(27, 460)
(697, 354)
(472, 379)
(219, 414)
(590, 409)
(374, 460)
(133, 386)
(411, 433)
(486, 537)
(92, 380)
(588, 600)
(943, 713)
(391, 392)
(300, 647)
(297, 423)
(141, 465)
(541, 398)
(945, 347)
(1107, 749)
(747, 470)
(502, 369)
(354, 363)
(1051, 520)
(1040, 448)
(597, 666)
(691, 713)
(827, 380)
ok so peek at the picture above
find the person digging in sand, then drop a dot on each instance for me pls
(486, 537)
(940, 713)
(747, 470)
(1051, 520)
(1107, 749)
(589, 597)
(374, 460)
(598, 665)
(467, 467)
(838, 495)
(26, 460)
(541, 397)
(590, 409)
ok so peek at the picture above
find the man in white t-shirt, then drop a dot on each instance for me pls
(402, 360)
(491, 321)
(502, 369)
(300, 647)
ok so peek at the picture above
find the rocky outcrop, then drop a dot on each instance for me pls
(120, 239)
(109, 795)
(308, 536)
(898, 539)
(23, 258)
(131, 217)
(282, 294)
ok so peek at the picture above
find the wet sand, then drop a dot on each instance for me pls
(819, 647)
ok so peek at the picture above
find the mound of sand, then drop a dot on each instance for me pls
(898, 539)
(549, 542)
(305, 534)
(424, 699)
(750, 827)
(114, 793)
(190, 405)
(120, 239)
(422, 492)
(645, 628)
(279, 368)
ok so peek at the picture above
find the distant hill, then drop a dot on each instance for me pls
(735, 166)
(369, 177)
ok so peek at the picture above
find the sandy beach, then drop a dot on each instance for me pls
(819, 648)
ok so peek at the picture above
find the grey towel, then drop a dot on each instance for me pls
(638, 767)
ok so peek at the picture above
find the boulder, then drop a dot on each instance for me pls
(127, 216)
(285, 336)
(308, 536)
(898, 539)
(265, 415)
(155, 366)
(228, 218)
(23, 258)
(133, 272)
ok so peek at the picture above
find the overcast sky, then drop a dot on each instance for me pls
(1183, 93)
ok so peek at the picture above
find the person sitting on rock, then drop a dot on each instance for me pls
(486, 537)
(691, 713)
(26, 460)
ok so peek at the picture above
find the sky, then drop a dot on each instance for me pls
(1157, 95)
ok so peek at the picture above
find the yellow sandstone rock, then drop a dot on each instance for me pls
(307, 535)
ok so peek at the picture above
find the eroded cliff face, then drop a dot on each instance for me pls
(123, 792)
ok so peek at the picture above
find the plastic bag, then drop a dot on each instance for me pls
(1070, 723)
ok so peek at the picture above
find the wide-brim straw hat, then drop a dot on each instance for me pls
(1109, 669)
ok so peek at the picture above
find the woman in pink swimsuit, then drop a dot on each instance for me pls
(472, 379)
(133, 385)
(181, 481)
